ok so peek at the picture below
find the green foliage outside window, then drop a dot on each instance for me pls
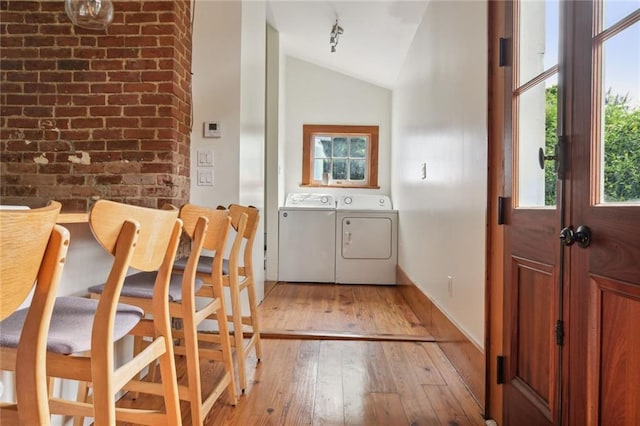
(621, 147)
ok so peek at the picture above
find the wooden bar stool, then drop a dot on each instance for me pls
(137, 237)
(209, 229)
(32, 253)
(244, 220)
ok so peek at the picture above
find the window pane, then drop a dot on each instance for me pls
(339, 170)
(621, 129)
(538, 37)
(356, 169)
(358, 147)
(322, 146)
(317, 169)
(340, 147)
(537, 128)
(615, 10)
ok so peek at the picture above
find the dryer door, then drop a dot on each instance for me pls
(366, 238)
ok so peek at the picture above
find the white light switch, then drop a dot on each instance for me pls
(205, 177)
(205, 158)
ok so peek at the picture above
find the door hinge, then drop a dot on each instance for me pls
(503, 45)
(500, 369)
(502, 205)
(559, 332)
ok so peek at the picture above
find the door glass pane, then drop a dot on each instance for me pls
(537, 128)
(620, 180)
(537, 38)
(615, 10)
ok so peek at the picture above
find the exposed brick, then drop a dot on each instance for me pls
(89, 76)
(105, 111)
(38, 111)
(56, 76)
(139, 133)
(124, 76)
(86, 123)
(100, 88)
(140, 87)
(110, 93)
(70, 180)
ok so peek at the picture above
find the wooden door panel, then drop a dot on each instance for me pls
(614, 361)
(533, 365)
(537, 235)
(615, 250)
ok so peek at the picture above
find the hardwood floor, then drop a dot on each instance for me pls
(351, 376)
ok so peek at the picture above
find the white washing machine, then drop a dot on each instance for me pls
(366, 240)
(307, 238)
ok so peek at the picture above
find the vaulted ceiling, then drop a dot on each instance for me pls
(376, 38)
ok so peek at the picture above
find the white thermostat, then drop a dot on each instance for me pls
(211, 129)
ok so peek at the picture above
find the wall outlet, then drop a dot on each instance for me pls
(450, 285)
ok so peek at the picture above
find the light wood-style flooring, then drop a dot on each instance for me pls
(341, 355)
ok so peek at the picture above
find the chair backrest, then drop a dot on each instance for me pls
(107, 219)
(24, 236)
(248, 233)
(32, 252)
(139, 237)
(219, 221)
(215, 238)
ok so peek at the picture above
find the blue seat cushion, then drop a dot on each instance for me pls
(71, 324)
(141, 285)
(205, 264)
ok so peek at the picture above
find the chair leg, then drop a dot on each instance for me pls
(82, 396)
(227, 357)
(255, 322)
(238, 335)
(192, 359)
(169, 377)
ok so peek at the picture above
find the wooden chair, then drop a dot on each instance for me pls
(32, 253)
(141, 238)
(244, 220)
(209, 229)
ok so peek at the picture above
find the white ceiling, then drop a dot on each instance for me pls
(377, 34)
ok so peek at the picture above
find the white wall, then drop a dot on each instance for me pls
(229, 86)
(440, 118)
(271, 152)
(316, 95)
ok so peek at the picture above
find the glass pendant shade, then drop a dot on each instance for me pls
(91, 14)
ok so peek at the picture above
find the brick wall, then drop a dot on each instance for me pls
(95, 114)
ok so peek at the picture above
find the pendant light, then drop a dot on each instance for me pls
(90, 14)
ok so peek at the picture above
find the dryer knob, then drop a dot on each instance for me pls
(348, 200)
(324, 199)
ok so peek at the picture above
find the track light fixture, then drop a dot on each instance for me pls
(336, 30)
(91, 14)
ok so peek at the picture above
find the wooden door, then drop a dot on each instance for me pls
(604, 278)
(533, 291)
(572, 345)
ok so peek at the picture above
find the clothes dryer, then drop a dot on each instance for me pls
(366, 240)
(306, 238)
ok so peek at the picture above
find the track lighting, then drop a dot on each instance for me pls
(91, 14)
(336, 30)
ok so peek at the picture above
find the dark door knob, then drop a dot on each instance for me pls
(582, 236)
(542, 158)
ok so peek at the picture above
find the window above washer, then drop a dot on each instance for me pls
(340, 156)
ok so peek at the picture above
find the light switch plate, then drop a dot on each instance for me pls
(205, 158)
(205, 177)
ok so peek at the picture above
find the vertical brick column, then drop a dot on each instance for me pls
(95, 114)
